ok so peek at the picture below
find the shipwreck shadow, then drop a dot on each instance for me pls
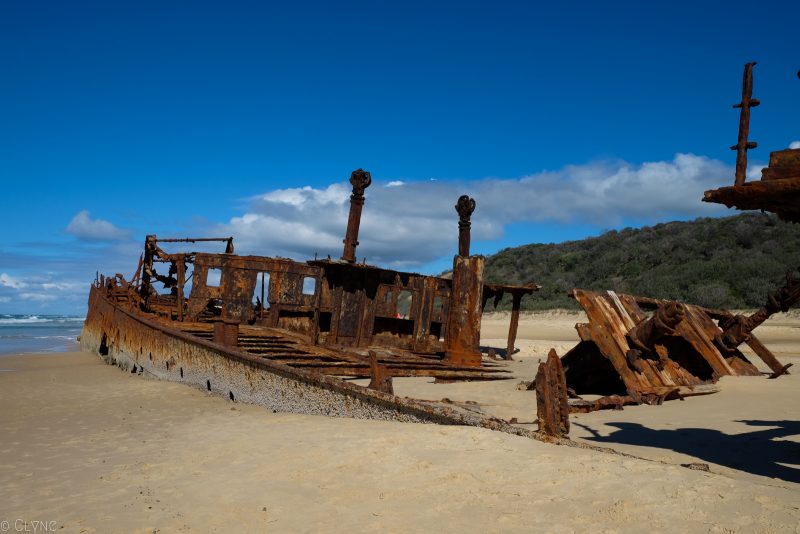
(499, 351)
(760, 452)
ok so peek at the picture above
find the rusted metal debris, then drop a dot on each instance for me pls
(738, 329)
(380, 376)
(552, 408)
(495, 292)
(644, 336)
(679, 350)
(609, 402)
(778, 190)
(632, 358)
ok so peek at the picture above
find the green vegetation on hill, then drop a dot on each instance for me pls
(730, 262)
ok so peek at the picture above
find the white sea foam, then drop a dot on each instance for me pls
(36, 319)
(24, 333)
(23, 320)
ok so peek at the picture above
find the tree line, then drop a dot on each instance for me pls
(730, 262)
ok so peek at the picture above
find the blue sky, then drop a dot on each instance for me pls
(194, 118)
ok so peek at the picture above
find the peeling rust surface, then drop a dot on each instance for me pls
(380, 376)
(743, 145)
(125, 338)
(285, 333)
(495, 292)
(738, 329)
(464, 320)
(552, 408)
(644, 336)
(335, 305)
(465, 206)
(675, 353)
(360, 180)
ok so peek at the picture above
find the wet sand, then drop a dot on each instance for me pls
(99, 450)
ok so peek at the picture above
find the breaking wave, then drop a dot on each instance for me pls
(22, 333)
(6, 319)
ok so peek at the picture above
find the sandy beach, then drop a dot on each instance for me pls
(86, 447)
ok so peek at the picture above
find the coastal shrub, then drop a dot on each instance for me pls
(731, 262)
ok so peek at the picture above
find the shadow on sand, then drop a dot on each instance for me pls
(499, 351)
(760, 452)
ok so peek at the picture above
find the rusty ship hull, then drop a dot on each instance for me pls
(143, 345)
(296, 343)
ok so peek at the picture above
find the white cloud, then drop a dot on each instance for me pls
(38, 297)
(10, 281)
(753, 172)
(408, 226)
(83, 226)
(56, 276)
(794, 144)
(41, 288)
(395, 183)
(63, 286)
(298, 197)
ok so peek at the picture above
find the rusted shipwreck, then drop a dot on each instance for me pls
(293, 335)
(639, 350)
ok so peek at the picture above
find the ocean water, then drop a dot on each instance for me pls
(39, 333)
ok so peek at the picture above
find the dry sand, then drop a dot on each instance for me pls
(98, 450)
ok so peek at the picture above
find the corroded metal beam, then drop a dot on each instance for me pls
(737, 329)
(743, 145)
(380, 376)
(552, 403)
(462, 345)
(465, 206)
(516, 300)
(226, 332)
(360, 180)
